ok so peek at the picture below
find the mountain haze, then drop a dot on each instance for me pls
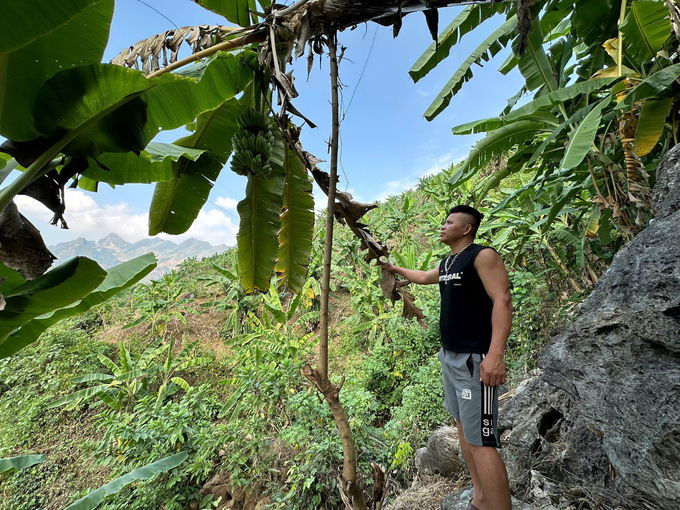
(113, 249)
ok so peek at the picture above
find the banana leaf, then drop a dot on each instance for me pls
(558, 96)
(10, 464)
(534, 65)
(236, 11)
(658, 84)
(494, 144)
(257, 237)
(645, 29)
(297, 222)
(467, 20)
(651, 124)
(154, 164)
(57, 288)
(94, 498)
(485, 125)
(76, 286)
(177, 201)
(581, 139)
(76, 95)
(489, 48)
(33, 49)
(214, 129)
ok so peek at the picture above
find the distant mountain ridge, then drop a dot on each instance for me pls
(113, 249)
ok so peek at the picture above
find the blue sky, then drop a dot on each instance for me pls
(386, 142)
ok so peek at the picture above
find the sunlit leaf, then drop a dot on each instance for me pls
(651, 124)
(114, 280)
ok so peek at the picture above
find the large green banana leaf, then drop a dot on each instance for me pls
(297, 222)
(236, 11)
(68, 282)
(535, 66)
(214, 129)
(76, 95)
(43, 17)
(77, 37)
(94, 498)
(484, 52)
(257, 238)
(16, 463)
(117, 279)
(486, 125)
(651, 123)
(594, 22)
(658, 84)
(575, 119)
(645, 29)
(494, 144)
(581, 138)
(558, 96)
(466, 21)
(177, 201)
(154, 164)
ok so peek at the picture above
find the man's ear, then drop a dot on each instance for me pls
(467, 229)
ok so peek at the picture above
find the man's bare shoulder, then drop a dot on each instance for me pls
(487, 256)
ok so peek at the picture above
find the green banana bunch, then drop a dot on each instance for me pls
(252, 144)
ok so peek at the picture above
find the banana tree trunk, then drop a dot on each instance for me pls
(350, 490)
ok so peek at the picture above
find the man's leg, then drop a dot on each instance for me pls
(478, 500)
(492, 477)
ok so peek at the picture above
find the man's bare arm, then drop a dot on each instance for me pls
(420, 277)
(491, 271)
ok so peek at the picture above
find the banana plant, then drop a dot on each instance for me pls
(27, 309)
(127, 379)
(169, 381)
(601, 74)
(69, 117)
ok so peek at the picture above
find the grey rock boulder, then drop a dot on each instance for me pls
(442, 453)
(459, 501)
(620, 361)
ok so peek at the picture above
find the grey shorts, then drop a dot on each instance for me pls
(467, 399)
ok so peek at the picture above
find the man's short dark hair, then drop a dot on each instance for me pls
(478, 217)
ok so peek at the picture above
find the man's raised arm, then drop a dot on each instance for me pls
(420, 277)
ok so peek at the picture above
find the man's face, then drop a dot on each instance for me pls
(456, 226)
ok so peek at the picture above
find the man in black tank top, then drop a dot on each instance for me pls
(476, 314)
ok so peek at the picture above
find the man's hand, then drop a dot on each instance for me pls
(492, 370)
(387, 266)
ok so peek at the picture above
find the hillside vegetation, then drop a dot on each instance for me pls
(191, 363)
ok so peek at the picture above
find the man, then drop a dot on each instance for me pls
(476, 314)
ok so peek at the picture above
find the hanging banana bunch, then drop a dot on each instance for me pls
(252, 144)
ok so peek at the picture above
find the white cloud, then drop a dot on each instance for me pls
(212, 226)
(226, 202)
(86, 218)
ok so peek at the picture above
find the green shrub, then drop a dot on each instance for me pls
(150, 433)
(394, 365)
(423, 400)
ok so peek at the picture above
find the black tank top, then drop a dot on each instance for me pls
(465, 319)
